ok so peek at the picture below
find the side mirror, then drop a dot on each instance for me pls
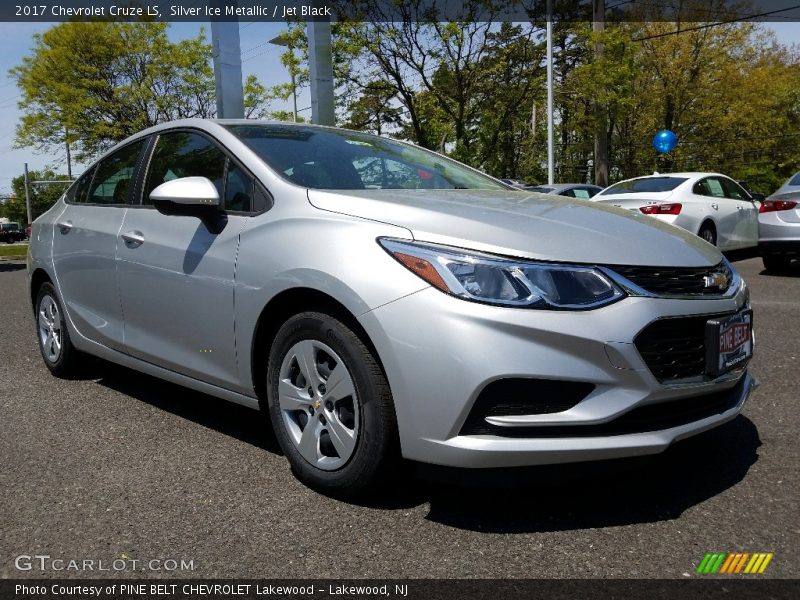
(190, 197)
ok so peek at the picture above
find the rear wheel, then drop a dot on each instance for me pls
(776, 262)
(54, 343)
(330, 405)
(708, 233)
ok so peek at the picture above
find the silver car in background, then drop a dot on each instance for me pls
(711, 205)
(779, 226)
(378, 300)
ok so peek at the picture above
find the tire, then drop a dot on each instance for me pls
(51, 329)
(340, 437)
(708, 233)
(777, 263)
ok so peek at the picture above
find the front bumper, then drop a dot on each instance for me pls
(440, 353)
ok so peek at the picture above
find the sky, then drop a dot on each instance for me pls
(258, 57)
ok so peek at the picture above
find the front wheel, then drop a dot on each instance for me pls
(330, 405)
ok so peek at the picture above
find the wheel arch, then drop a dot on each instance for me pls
(38, 278)
(278, 310)
(708, 221)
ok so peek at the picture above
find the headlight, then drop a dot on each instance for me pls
(496, 280)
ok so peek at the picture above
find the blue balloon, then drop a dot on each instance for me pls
(664, 141)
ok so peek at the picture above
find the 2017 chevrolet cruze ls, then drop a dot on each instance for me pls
(380, 300)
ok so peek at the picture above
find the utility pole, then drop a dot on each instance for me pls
(321, 66)
(27, 195)
(227, 66)
(600, 112)
(550, 152)
(69, 156)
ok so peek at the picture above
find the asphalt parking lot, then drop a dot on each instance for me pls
(120, 465)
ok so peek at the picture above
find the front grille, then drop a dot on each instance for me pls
(676, 281)
(675, 348)
(651, 417)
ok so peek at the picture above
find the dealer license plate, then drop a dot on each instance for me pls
(729, 342)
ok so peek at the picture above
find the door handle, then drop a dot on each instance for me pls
(715, 206)
(65, 226)
(738, 207)
(133, 239)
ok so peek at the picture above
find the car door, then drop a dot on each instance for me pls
(85, 244)
(720, 208)
(747, 223)
(176, 277)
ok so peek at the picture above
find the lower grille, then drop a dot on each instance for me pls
(674, 348)
(652, 417)
(523, 396)
(676, 281)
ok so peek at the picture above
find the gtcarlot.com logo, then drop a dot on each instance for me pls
(724, 563)
(45, 562)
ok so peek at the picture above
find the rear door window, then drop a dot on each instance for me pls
(114, 175)
(710, 186)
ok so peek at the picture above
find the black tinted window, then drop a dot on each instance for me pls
(261, 200)
(184, 154)
(646, 184)
(238, 189)
(78, 192)
(114, 176)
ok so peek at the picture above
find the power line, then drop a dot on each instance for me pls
(716, 24)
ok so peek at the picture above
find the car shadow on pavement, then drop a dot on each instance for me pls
(521, 500)
(228, 418)
(608, 494)
(7, 267)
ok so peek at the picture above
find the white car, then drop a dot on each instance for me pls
(710, 205)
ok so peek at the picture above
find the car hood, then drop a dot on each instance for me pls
(526, 225)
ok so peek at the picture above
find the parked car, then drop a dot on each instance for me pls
(11, 232)
(791, 185)
(570, 190)
(380, 300)
(514, 183)
(779, 227)
(710, 205)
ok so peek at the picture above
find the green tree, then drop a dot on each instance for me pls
(94, 84)
(42, 196)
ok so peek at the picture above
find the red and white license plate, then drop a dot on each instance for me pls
(729, 342)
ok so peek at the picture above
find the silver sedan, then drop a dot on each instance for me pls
(378, 300)
(779, 226)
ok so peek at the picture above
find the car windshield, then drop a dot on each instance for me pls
(344, 160)
(645, 184)
(541, 189)
(11, 226)
(795, 180)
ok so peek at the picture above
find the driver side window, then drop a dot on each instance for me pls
(184, 154)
